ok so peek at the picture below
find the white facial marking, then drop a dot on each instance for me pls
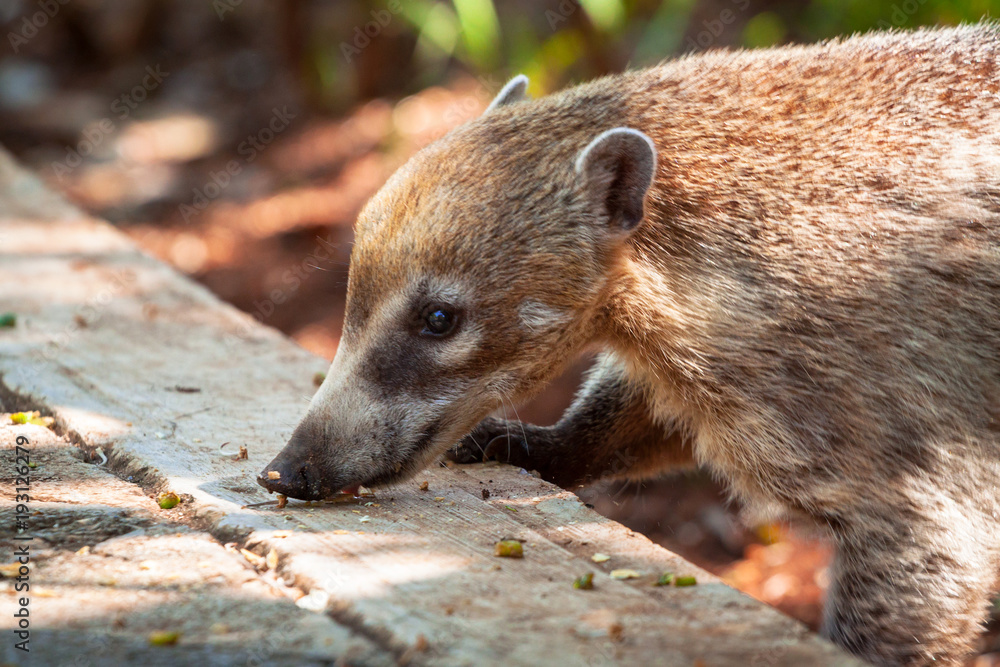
(458, 348)
(342, 398)
(537, 315)
(349, 405)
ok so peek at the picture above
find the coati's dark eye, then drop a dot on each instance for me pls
(439, 320)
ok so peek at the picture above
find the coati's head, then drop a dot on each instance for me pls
(478, 270)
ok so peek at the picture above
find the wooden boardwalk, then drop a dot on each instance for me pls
(151, 372)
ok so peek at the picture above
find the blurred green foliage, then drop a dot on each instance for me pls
(558, 41)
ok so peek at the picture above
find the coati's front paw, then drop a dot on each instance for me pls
(497, 439)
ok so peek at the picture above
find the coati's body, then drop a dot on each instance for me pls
(807, 301)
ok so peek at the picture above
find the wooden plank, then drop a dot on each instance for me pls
(108, 568)
(106, 336)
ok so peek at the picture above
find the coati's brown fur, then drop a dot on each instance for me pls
(803, 294)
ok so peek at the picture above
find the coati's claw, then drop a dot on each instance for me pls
(507, 449)
(465, 452)
(492, 439)
(472, 448)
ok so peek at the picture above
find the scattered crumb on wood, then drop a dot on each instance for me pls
(508, 549)
(164, 638)
(33, 417)
(625, 574)
(168, 500)
(258, 562)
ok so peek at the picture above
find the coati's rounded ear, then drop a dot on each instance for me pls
(618, 168)
(514, 91)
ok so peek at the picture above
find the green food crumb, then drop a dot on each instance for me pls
(318, 378)
(164, 638)
(8, 320)
(31, 418)
(508, 549)
(685, 581)
(584, 582)
(510, 508)
(32, 465)
(665, 579)
(168, 501)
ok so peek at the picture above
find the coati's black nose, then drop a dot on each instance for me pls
(293, 478)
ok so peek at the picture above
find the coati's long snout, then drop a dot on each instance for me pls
(296, 472)
(357, 431)
(455, 309)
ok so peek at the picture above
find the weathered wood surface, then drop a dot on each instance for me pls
(105, 337)
(108, 568)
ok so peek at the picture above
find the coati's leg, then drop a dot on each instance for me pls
(607, 432)
(911, 590)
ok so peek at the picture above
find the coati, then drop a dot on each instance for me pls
(791, 259)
